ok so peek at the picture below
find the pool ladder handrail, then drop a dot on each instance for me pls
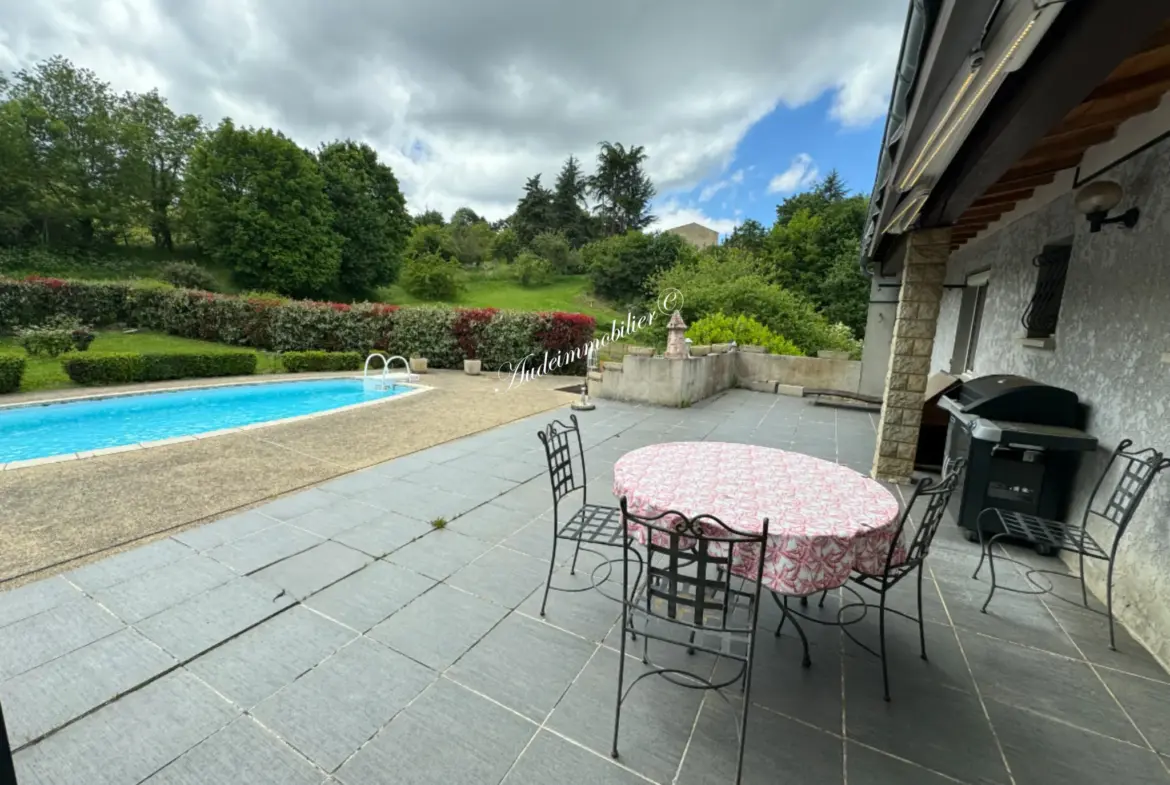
(384, 377)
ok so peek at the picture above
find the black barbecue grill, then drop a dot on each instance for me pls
(1022, 441)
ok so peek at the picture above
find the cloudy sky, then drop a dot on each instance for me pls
(737, 105)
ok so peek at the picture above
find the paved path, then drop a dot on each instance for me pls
(334, 636)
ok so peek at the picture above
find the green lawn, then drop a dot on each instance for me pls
(566, 293)
(46, 373)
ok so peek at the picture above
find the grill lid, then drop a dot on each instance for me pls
(1016, 399)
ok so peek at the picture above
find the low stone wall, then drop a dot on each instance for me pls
(668, 382)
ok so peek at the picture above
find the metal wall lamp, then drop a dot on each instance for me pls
(1097, 198)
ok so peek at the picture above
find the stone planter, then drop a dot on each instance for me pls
(720, 348)
(700, 351)
(471, 367)
(641, 351)
(754, 349)
(828, 354)
(418, 364)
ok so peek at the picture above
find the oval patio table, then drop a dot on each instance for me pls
(824, 520)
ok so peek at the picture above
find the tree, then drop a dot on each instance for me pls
(568, 213)
(749, 236)
(430, 218)
(17, 161)
(621, 266)
(622, 189)
(533, 212)
(464, 216)
(369, 215)
(471, 242)
(259, 206)
(427, 239)
(554, 248)
(160, 144)
(506, 246)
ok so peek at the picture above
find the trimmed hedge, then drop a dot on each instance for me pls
(298, 362)
(11, 372)
(275, 324)
(125, 367)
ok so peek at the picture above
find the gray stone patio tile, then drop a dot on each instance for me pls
(419, 502)
(524, 665)
(340, 516)
(38, 639)
(124, 566)
(256, 551)
(587, 613)
(47, 697)
(359, 482)
(536, 540)
(259, 662)
(1146, 702)
(298, 503)
(438, 554)
(502, 576)
(776, 747)
(490, 523)
(369, 596)
(912, 726)
(439, 627)
(867, 767)
(244, 753)
(311, 571)
(131, 738)
(532, 498)
(421, 745)
(157, 590)
(389, 532)
(1070, 756)
(552, 759)
(504, 468)
(208, 619)
(1010, 617)
(466, 481)
(657, 716)
(212, 535)
(335, 708)
(1045, 684)
(1090, 631)
(34, 598)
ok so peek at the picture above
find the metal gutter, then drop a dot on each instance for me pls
(919, 19)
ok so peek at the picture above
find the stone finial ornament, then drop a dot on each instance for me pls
(676, 342)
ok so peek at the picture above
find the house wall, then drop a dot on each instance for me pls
(1110, 348)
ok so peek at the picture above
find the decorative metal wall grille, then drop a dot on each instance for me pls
(1043, 311)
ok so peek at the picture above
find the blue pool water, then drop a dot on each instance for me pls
(54, 429)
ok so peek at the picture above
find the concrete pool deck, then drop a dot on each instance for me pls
(58, 516)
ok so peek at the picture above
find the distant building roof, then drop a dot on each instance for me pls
(696, 234)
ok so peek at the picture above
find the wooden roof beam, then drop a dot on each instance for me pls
(1004, 197)
(1112, 88)
(1017, 183)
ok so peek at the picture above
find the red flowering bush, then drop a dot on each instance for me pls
(469, 326)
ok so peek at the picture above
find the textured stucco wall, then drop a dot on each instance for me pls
(1114, 328)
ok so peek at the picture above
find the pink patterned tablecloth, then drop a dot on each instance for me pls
(824, 520)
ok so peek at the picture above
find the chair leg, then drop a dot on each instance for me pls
(1084, 588)
(552, 561)
(921, 625)
(784, 616)
(824, 594)
(576, 552)
(638, 582)
(983, 548)
(882, 645)
(991, 567)
(1108, 603)
(617, 711)
(747, 680)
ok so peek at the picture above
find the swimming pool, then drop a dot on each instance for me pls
(53, 429)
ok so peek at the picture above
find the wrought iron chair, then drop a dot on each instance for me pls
(590, 524)
(1138, 469)
(902, 560)
(688, 590)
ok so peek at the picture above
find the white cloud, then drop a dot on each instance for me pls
(709, 191)
(671, 214)
(492, 93)
(801, 173)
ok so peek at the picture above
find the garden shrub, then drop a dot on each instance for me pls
(125, 367)
(531, 270)
(622, 265)
(300, 362)
(11, 372)
(744, 330)
(469, 327)
(554, 248)
(45, 341)
(431, 277)
(277, 324)
(188, 275)
(566, 335)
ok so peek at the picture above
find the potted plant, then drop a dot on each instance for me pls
(470, 325)
(472, 363)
